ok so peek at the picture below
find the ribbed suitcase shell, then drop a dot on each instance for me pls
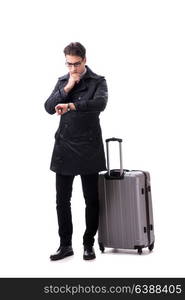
(126, 214)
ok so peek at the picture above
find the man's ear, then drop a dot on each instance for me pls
(85, 60)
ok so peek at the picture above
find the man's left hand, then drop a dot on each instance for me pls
(61, 108)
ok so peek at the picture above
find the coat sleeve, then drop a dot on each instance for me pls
(98, 102)
(57, 96)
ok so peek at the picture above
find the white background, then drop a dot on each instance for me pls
(139, 47)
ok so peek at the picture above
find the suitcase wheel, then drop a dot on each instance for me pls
(151, 246)
(139, 251)
(102, 248)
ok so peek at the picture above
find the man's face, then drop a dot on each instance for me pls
(75, 64)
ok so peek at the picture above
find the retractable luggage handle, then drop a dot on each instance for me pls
(113, 139)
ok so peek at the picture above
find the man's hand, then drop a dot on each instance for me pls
(74, 78)
(61, 108)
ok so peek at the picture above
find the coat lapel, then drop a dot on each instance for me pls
(81, 86)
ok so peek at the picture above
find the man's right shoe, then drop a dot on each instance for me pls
(62, 252)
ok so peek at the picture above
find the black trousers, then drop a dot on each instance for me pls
(63, 205)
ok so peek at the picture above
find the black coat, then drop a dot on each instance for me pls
(78, 145)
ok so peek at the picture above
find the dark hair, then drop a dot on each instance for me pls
(76, 49)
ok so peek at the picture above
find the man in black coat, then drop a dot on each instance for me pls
(78, 97)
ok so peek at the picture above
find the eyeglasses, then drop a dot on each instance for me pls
(76, 64)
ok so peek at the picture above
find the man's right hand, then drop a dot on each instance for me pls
(74, 78)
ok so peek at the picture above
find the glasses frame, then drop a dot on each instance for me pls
(76, 64)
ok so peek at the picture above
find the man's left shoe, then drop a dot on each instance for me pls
(89, 253)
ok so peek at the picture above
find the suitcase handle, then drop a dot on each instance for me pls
(114, 174)
(113, 139)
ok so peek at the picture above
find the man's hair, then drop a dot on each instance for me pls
(75, 49)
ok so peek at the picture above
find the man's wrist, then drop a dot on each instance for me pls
(71, 106)
(67, 89)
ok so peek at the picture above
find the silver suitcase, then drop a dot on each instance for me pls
(126, 215)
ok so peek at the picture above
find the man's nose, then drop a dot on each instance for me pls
(73, 67)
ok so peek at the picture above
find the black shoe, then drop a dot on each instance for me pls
(89, 253)
(62, 252)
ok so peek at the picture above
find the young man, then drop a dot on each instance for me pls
(78, 97)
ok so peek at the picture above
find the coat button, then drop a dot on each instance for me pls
(79, 98)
